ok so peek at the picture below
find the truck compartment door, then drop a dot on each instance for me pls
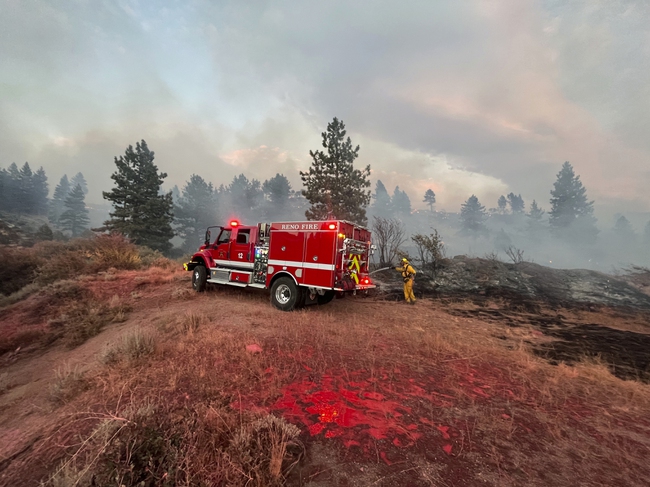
(286, 251)
(320, 258)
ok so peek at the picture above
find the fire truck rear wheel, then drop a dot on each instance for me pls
(325, 298)
(199, 278)
(284, 294)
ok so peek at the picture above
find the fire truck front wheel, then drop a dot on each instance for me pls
(284, 294)
(199, 278)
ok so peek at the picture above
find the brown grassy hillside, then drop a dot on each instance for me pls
(126, 377)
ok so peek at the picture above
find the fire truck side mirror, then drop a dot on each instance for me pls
(372, 249)
(207, 237)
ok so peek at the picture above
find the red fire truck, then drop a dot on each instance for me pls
(300, 262)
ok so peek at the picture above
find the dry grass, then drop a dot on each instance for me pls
(83, 317)
(52, 261)
(267, 449)
(67, 383)
(133, 345)
(65, 310)
(191, 322)
(138, 343)
(190, 405)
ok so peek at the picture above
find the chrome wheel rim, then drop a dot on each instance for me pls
(283, 294)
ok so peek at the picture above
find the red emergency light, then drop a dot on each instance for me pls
(234, 223)
(332, 226)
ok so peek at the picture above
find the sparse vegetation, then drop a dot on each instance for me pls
(80, 316)
(389, 236)
(138, 343)
(18, 268)
(133, 345)
(68, 382)
(51, 261)
(191, 322)
(201, 396)
(431, 252)
(267, 449)
(514, 254)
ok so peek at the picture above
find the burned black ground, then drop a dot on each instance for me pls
(556, 302)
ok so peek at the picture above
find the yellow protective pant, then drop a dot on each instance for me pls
(408, 291)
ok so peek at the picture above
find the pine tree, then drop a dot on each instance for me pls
(535, 213)
(80, 180)
(140, 211)
(430, 199)
(502, 204)
(194, 211)
(25, 197)
(623, 228)
(571, 213)
(243, 195)
(516, 203)
(58, 199)
(176, 194)
(13, 191)
(382, 204)
(400, 203)
(41, 191)
(332, 186)
(5, 185)
(472, 216)
(75, 217)
(44, 232)
(535, 216)
(10, 189)
(277, 190)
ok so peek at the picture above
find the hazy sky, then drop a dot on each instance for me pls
(473, 96)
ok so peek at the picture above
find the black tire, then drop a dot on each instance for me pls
(302, 298)
(199, 278)
(285, 294)
(325, 298)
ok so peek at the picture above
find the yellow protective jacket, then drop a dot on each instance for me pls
(407, 271)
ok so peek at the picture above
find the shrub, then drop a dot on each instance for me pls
(389, 235)
(191, 322)
(9, 343)
(81, 316)
(44, 232)
(68, 382)
(137, 344)
(113, 251)
(149, 256)
(18, 268)
(431, 251)
(84, 320)
(267, 449)
(63, 263)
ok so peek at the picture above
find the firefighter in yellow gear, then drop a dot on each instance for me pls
(408, 274)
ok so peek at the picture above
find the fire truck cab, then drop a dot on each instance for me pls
(300, 262)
